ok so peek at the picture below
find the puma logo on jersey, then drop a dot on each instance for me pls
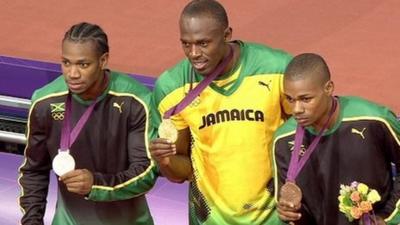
(248, 206)
(118, 106)
(262, 83)
(361, 133)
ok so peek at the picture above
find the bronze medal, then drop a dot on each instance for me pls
(168, 130)
(290, 192)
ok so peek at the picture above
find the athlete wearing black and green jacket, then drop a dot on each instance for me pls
(361, 143)
(113, 145)
(360, 147)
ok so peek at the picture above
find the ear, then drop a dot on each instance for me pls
(104, 61)
(329, 87)
(228, 34)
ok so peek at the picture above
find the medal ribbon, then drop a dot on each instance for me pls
(200, 87)
(366, 220)
(68, 137)
(295, 164)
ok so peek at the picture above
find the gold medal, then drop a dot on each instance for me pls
(290, 192)
(168, 130)
(63, 163)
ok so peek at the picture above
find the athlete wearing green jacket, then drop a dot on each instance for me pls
(230, 123)
(110, 152)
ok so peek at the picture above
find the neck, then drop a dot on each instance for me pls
(328, 115)
(97, 88)
(231, 65)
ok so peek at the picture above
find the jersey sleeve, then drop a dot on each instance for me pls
(34, 172)
(141, 174)
(391, 143)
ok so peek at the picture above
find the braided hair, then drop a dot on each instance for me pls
(83, 32)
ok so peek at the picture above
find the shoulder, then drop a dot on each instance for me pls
(286, 129)
(265, 50)
(354, 106)
(357, 108)
(175, 76)
(54, 88)
(49, 97)
(123, 84)
(171, 79)
(266, 58)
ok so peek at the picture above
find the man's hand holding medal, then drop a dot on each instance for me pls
(164, 147)
(289, 203)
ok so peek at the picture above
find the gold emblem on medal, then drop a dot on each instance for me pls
(168, 130)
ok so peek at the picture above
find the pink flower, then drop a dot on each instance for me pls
(356, 212)
(365, 206)
(355, 196)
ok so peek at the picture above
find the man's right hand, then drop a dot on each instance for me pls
(161, 149)
(173, 158)
(288, 212)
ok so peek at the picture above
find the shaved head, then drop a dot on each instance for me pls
(308, 88)
(209, 8)
(308, 66)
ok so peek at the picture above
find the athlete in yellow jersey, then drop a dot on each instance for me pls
(224, 133)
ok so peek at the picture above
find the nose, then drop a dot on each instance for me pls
(73, 72)
(194, 51)
(298, 108)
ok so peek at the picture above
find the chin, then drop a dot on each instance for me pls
(202, 72)
(303, 123)
(77, 92)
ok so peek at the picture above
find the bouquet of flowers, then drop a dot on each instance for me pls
(356, 200)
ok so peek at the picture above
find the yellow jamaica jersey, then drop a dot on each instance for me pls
(232, 123)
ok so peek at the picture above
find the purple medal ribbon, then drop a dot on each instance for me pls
(200, 87)
(295, 164)
(68, 137)
(366, 220)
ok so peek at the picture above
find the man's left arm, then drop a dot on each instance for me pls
(391, 145)
(286, 211)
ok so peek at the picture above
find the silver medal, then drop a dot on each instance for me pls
(63, 163)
